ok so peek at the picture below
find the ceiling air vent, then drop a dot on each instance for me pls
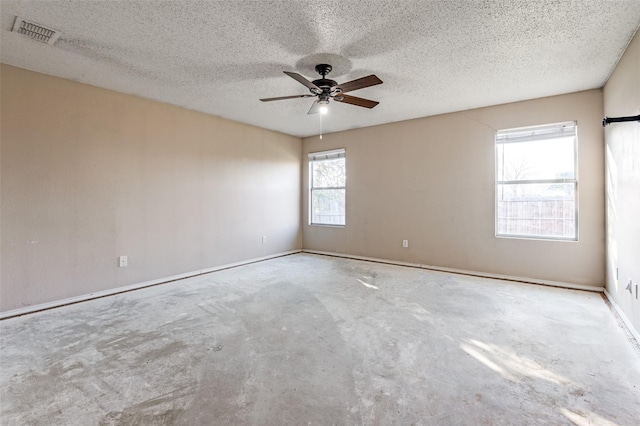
(35, 31)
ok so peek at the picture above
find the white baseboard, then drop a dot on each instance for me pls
(623, 318)
(118, 290)
(463, 272)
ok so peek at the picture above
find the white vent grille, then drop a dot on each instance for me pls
(35, 31)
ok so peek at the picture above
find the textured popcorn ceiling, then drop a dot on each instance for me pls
(220, 57)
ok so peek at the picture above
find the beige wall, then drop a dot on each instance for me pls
(431, 181)
(88, 175)
(622, 98)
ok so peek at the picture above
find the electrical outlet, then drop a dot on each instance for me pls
(405, 243)
(122, 261)
(264, 239)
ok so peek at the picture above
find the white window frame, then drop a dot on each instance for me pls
(532, 134)
(322, 156)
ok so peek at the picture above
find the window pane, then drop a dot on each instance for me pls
(537, 210)
(329, 173)
(539, 159)
(328, 206)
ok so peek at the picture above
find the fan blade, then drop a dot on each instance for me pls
(300, 79)
(315, 108)
(287, 97)
(361, 83)
(354, 100)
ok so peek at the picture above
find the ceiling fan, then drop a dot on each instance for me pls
(325, 89)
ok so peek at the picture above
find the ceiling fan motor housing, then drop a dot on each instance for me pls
(324, 83)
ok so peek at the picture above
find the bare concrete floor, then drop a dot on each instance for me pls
(308, 339)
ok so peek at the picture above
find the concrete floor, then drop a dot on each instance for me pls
(308, 339)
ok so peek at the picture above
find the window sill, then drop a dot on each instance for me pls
(533, 238)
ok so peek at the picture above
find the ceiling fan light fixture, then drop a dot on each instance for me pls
(324, 106)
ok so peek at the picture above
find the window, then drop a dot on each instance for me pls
(327, 181)
(536, 182)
